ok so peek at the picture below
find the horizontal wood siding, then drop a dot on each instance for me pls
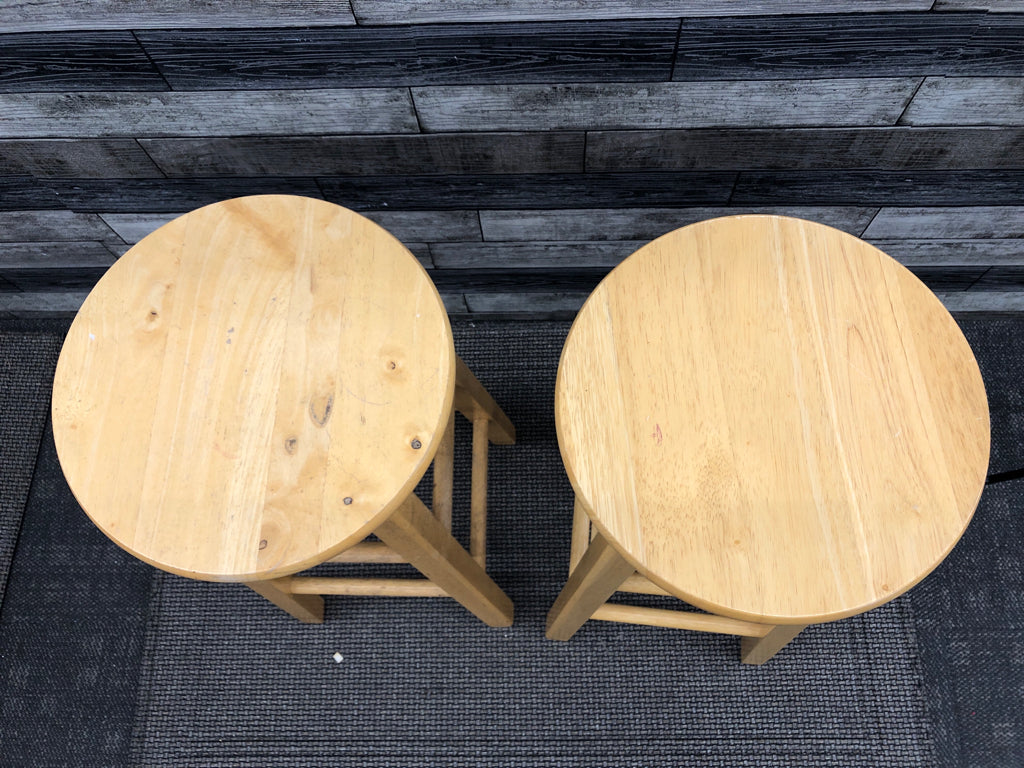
(884, 149)
(520, 150)
(206, 113)
(876, 101)
(424, 55)
(369, 155)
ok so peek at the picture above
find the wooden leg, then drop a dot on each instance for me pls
(309, 609)
(478, 493)
(601, 571)
(757, 650)
(472, 400)
(416, 534)
(444, 463)
(580, 535)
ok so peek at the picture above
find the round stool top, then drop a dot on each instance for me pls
(772, 419)
(253, 388)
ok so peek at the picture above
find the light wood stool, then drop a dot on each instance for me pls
(260, 384)
(770, 420)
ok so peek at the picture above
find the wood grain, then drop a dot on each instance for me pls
(511, 304)
(35, 226)
(845, 187)
(748, 103)
(849, 45)
(49, 15)
(646, 223)
(777, 493)
(427, 11)
(76, 158)
(911, 253)
(625, 50)
(257, 332)
(967, 101)
(369, 155)
(209, 113)
(531, 255)
(23, 193)
(407, 226)
(81, 61)
(552, 190)
(55, 254)
(995, 6)
(51, 279)
(807, 148)
(947, 223)
(168, 195)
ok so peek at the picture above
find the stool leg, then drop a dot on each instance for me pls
(444, 464)
(309, 609)
(417, 535)
(601, 571)
(478, 492)
(757, 650)
(580, 535)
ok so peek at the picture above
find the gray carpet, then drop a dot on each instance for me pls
(228, 680)
(105, 662)
(27, 360)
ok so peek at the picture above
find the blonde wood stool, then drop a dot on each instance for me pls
(260, 384)
(770, 420)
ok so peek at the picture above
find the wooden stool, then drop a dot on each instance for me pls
(769, 419)
(260, 384)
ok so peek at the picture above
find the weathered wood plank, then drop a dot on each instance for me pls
(790, 103)
(427, 11)
(53, 225)
(1000, 279)
(54, 254)
(849, 45)
(168, 195)
(76, 61)
(949, 278)
(807, 148)
(57, 279)
(967, 101)
(983, 301)
(617, 51)
(76, 158)
(549, 304)
(416, 227)
(947, 223)
(845, 187)
(207, 113)
(539, 190)
(994, 6)
(50, 15)
(429, 226)
(22, 193)
(605, 253)
(34, 305)
(986, 253)
(369, 155)
(644, 224)
(475, 281)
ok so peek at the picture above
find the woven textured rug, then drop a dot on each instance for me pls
(229, 680)
(27, 360)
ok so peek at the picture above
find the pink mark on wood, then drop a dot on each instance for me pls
(656, 434)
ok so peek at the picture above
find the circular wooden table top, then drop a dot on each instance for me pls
(253, 388)
(772, 419)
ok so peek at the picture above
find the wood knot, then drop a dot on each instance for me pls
(347, 500)
(416, 444)
(290, 443)
(263, 544)
(320, 409)
(392, 365)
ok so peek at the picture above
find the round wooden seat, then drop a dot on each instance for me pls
(772, 420)
(253, 387)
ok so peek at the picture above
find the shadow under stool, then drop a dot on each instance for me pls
(259, 385)
(770, 420)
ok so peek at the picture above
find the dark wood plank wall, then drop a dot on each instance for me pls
(521, 149)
